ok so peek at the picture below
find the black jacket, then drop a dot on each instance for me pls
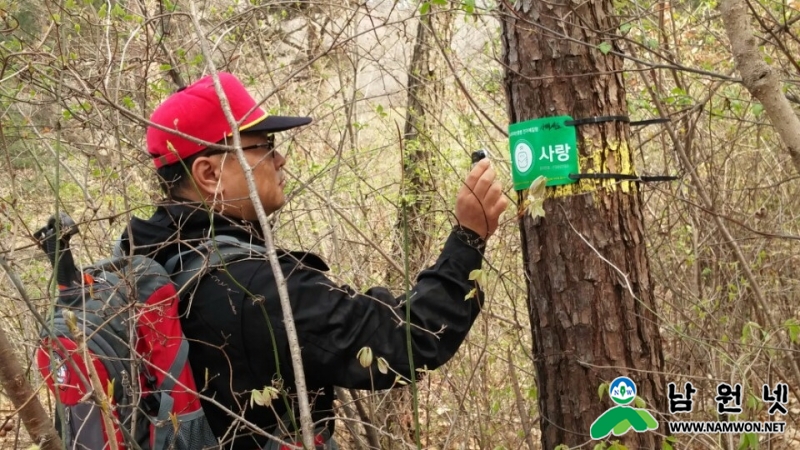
(238, 342)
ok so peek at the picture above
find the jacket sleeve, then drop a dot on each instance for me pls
(334, 322)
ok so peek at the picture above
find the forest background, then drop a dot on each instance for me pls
(402, 92)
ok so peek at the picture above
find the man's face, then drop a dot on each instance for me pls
(267, 166)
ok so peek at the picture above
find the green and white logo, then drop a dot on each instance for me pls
(621, 418)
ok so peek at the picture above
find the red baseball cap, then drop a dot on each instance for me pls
(197, 112)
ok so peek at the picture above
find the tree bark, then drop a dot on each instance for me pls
(759, 78)
(16, 385)
(590, 297)
(419, 160)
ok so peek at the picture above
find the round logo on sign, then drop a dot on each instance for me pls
(523, 157)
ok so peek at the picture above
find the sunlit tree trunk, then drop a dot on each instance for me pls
(759, 78)
(589, 291)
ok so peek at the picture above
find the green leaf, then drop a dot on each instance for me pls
(472, 293)
(469, 6)
(605, 47)
(480, 277)
(439, 2)
(666, 445)
(128, 102)
(794, 329)
(752, 402)
(533, 393)
(757, 109)
(561, 447)
(750, 332)
(749, 441)
(639, 402)
(424, 8)
(602, 389)
(625, 27)
(600, 446)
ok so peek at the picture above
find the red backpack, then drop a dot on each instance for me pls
(127, 309)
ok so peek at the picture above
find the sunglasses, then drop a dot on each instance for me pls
(269, 145)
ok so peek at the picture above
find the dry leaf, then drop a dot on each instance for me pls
(472, 293)
(536, 194)
(383, 366)
(264, 397)
(173, 417)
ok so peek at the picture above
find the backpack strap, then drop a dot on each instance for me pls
(185, 267)
(166, 401)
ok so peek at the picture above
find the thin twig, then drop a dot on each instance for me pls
(306, 422)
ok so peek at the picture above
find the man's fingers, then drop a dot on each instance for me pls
(501, 205)
(484, 183)
(493, 195)
(476, 173)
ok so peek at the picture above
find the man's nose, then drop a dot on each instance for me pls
(280, 161)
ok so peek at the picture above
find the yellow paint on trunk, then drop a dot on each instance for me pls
(614, 157)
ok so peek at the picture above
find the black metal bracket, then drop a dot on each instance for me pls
(618, 176)
(601, 119)
(622, 176)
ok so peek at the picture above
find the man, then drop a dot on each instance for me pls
(234, 321)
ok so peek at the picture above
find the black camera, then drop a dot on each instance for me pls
(479, 155)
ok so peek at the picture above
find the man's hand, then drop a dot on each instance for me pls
(480, 200)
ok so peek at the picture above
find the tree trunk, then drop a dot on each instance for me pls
(419, 160)
(18, 388)
(425, 88)
(759, 78)
(591, 302)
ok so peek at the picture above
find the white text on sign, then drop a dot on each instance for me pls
(560, 151)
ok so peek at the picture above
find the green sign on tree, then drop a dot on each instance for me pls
(545, 147)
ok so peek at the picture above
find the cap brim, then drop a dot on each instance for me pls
(275, 124)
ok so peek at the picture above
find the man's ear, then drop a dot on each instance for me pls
(206, 172)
